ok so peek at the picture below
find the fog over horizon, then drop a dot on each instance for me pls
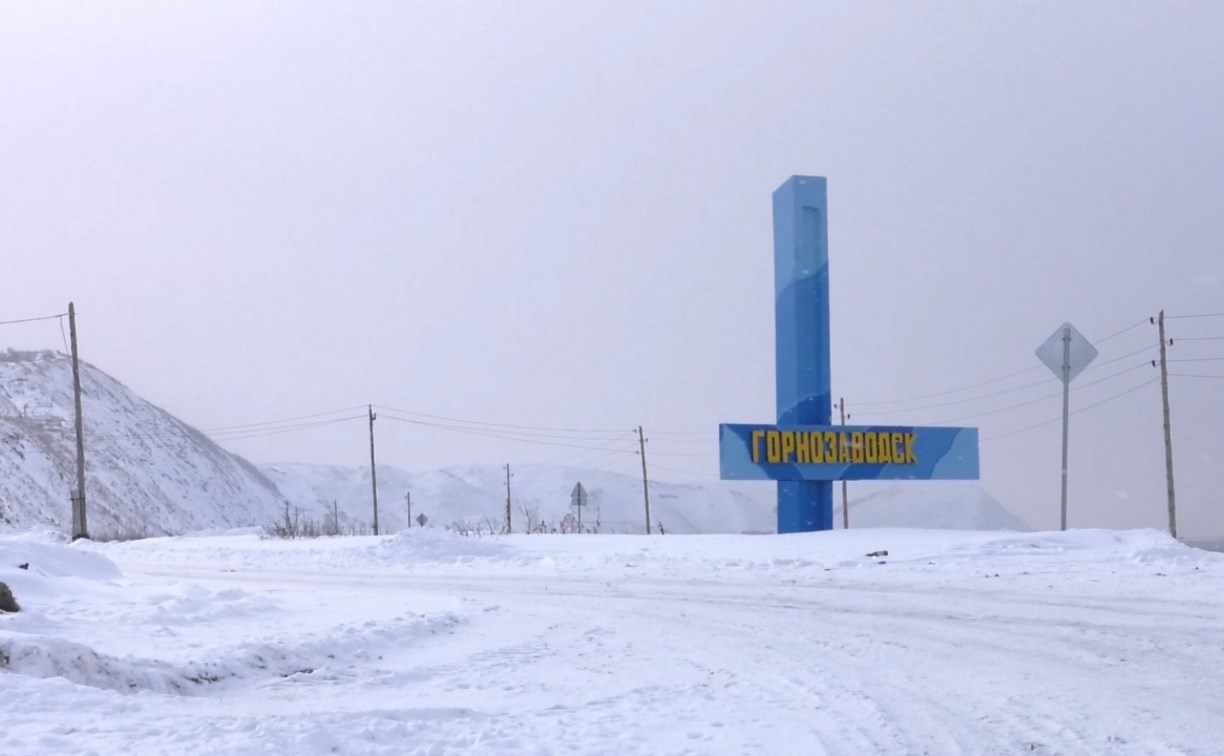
(522, 230)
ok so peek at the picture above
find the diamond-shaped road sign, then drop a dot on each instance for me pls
(1066, 346)
(578, 497)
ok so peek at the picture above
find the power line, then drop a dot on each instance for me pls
(568, 458)
(224, 428)
(1124, 330)
(507, 434)
(1117, 359)
(946, 393)
(1116, 396)
(488, 434)
(956, 401)
(167, 438)
(1075, 412)
(1047, 396)
(499, 425)
(1204, 315)
(936, 395)
(1199, 359)
(1192, 375)
(31, 320)
(287, 429)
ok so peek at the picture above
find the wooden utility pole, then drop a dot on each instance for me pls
(841, 403)
(1168, 434)
(373, 470)
(645, 482)
(80, 525)
(509, 529)
(408, 500)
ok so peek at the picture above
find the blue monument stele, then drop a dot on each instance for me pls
(804, 452)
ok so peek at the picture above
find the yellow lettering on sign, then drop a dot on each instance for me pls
(910, 458)
(870, 455)
(757, 435)
(802, 452)
(773, 447)
(830, 444)
(788, 446)
(898, 448)
(884, 448)
(856, 447)
(843, 448)
(815, 448)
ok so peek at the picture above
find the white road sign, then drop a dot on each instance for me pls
(1069, 345)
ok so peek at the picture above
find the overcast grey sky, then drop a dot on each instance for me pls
(557, 215)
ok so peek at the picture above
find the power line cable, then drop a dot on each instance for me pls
(243, 426)
(287, 429)
(569, 457)
(1095, 365)
(498, 425)
(1130, 327)
(507, 434)
(486, 434)
(31, 320)
(1047, 396)
(1004, 391)
(946, 393)
(956, 401)
(164, 438)
(1203, 315)
(1074, 412)
(1124, 330)
(1193, 375)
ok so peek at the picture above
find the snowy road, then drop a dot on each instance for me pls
(969, 643)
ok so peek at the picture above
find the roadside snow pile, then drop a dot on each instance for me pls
(45, 657)
(41, 563)
(420, 546)
(1142, 546)
(49, 554)
(428, 545)
(81, 614)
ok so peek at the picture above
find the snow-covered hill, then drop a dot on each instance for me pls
(146, 471)
(149, 473)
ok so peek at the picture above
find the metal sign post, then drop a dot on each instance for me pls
(1066, 353)
(578, 500)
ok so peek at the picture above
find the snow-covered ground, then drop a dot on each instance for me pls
(1086, 642)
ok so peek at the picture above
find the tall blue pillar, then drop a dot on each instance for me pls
(801, 287)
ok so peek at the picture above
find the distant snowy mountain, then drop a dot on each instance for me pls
(477, 495)
(149, 473)
(146, 472)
